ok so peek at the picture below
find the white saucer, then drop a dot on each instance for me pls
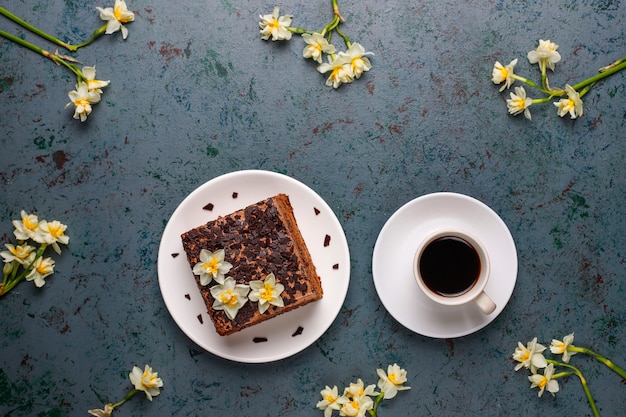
(283, 335)
(393, 258)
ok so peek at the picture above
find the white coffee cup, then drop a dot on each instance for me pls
(452, 267)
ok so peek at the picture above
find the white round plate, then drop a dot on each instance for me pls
(284, 335)
(392, 263)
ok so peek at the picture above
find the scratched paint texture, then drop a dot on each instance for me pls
(195, 93)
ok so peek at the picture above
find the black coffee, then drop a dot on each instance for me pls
(449, 266)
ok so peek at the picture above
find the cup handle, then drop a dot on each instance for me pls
(486, 305)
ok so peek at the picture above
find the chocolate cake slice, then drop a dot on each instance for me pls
(258, 240)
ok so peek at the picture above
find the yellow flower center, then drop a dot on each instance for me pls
(29, 224)
(525, 356)
(229, 298)
(149, 379)
(267, 293)
(393, 379)
(81, 102)
(518, 103)
(273, 24)
(120, 13)
(42, 268)
(55, 230)
(212, 265)
(543, 382)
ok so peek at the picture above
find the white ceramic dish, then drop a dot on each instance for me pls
(284, 335)
(392, 263)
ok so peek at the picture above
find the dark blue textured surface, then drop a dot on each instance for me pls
(195, 93)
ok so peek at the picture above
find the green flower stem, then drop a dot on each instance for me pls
(95, 35)
(126, 398)
(336, 11)
(532, 84)
(55, 58)
(377, 401)
(34, 29)
(9, 283)
(599, 358)
(583, 382)
(605, 72)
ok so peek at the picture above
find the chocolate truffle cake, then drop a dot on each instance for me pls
(257, 241)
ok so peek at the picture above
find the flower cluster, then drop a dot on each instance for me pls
(531, 357)
(24, 261)
(146, 381)
(546, 56)
(88, 90)
(357, 399)
(342, 67)
(230, 296)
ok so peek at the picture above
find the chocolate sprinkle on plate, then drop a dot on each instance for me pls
(336, 266)
(316, 210)
(326, 240)
(208, 207)
(235, 195)
(187, 296)
(174, 255)
(298, 331)
(200, 319)
(259, 339)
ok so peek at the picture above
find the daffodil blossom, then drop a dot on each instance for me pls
(212, 266)
(90, 78)
(266, 292)
(340, 71)
(146, 381)
(519, 103)
(106, 412)
(572, 104)
(275, 26)
(22, 254)
(392, 381)
(329, 400)
(503, 74)
(229, 297)
(545, 54)
(356, 399)
(42, 268)
(54, 233)
(115, 16)
(560, 347)
(27, 227)
(356, 58)
(317, 45)
(545, 381)
(529, 356)
(82, 99)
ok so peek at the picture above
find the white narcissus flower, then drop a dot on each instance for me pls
(545, 381)
(317, 46)
(392, 381)
(519, 103)
(356, 59)
(560, 347)
(545, 55)
(266, 292)
(275, 26)
(329, 400)
(54, 233)
(146, 381)
(356, 399)
(115, 16)
(27, 227)
(572, 104)
(503, 74)
(212, 266)
(230, 297)
(340, 72)
(530, 356)
(92, 83)
(42, 268)
(23, 253)
(82, 99)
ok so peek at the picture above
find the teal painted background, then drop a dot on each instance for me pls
(195, 93)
